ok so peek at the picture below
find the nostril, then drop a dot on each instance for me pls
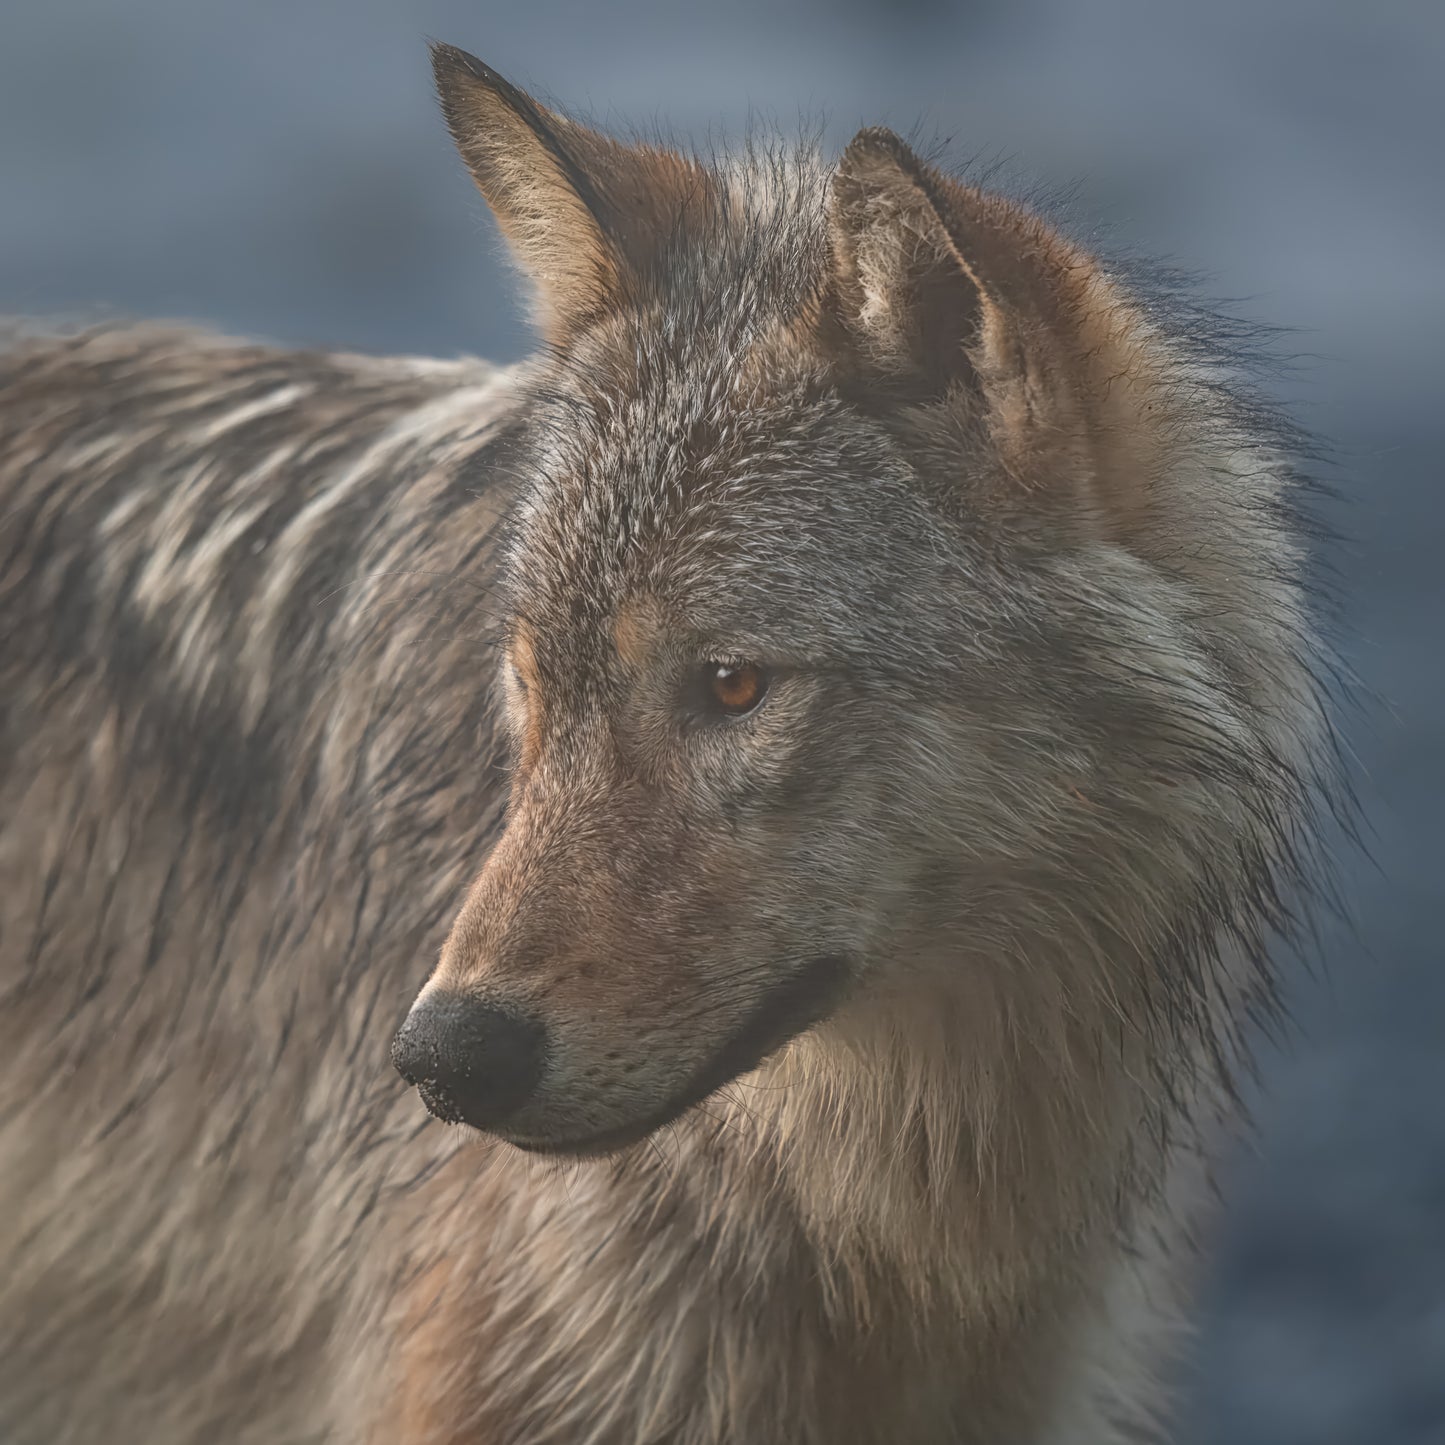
(471, 1062)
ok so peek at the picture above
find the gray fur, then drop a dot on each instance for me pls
(1043, 766)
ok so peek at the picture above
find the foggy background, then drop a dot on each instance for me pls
(279, 169)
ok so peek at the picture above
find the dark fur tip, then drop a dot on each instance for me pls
(455, 70)
(449, 60)
(877, 143)
(876, 157)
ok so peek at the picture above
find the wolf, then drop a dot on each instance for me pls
(805, 774)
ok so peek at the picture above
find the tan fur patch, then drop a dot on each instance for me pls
(527, 701)
(633, 631)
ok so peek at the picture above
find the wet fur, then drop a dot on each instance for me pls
(257, 744)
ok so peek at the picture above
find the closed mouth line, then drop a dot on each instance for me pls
(787, 1010)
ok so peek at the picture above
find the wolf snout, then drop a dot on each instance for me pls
(471, 1062)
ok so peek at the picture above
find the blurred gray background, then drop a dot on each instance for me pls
(279, 169)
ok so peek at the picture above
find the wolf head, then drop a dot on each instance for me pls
(895, 623)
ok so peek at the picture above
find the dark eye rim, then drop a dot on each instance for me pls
(708, 673)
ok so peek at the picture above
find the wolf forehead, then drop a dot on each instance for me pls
(730, 488)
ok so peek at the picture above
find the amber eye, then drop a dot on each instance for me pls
(736, 688)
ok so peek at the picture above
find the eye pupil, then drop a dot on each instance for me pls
(736, 688)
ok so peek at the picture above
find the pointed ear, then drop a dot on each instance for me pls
(940, 291)
(906, 296)
(585, 215)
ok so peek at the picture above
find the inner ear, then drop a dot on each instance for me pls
(585, 215)
(904, 294)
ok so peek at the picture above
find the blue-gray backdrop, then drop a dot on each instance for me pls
(277, 167)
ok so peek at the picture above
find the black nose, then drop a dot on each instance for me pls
(471, 1063)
